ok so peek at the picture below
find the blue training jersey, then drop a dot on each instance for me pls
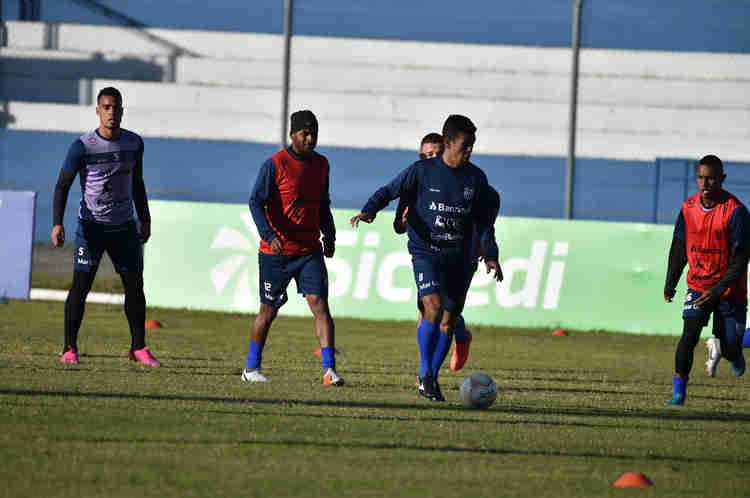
(447, 204)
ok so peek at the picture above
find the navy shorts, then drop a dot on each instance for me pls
(276, 271)
(121, 242)
(730, 316)
(450, 278)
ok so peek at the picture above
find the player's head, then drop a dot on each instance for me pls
(709, 174)
(109, 107)
(459, 134)
(431, 146)
(303, 131)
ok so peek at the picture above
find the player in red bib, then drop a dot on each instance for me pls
(291, 207)
(712, 237)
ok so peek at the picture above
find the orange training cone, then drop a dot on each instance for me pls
(560, 332)
(633, 480)
(153, 324)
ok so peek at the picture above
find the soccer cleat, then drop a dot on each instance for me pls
(738, 366)
(714, 355)
(676, 399)
(331, 378)
(438, 394)
(70, 356)
(144, 357)
(429, 388)
(254, 375)
(461, 353)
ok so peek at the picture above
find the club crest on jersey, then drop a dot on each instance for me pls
(468, 193)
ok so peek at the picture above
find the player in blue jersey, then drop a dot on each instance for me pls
(432, 146)
(109, 162)
(449, 197)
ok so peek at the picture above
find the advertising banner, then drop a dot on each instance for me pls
(581, 275)
(17, 227)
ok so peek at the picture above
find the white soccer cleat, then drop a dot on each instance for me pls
(714, 355)
(253, 376)
(331, 378)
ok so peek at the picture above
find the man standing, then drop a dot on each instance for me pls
(110, 162)
(712, 237)
(448, 196)
(291, 206)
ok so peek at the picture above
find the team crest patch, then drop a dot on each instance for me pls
(468, 193)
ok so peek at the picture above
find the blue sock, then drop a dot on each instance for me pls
(679, 385)
(442, 347)
(426, 337)
(460, 332)
(328, 357)
(254, 355)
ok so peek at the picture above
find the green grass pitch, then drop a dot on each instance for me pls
(572, 415)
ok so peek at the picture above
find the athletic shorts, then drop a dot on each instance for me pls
(447, 277)
(121, 242)
(276, 271)
(469, 277)
(729, 315)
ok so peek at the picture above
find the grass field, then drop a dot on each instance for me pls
(572, 415)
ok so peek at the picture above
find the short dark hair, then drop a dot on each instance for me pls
(431, 138)
(110, 91)
(456, 124)
(712, 162)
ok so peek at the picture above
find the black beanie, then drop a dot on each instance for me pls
(303, 119)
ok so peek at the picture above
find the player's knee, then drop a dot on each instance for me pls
(266, 314)
(432, 309)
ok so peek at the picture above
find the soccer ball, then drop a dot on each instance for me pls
(478, 390)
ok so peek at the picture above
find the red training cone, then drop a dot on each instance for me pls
(153, 324)
(633, 480)
(560, 332)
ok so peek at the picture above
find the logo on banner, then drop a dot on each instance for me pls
(234, 270)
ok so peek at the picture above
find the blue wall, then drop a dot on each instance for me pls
(221, 171)
(683, 25)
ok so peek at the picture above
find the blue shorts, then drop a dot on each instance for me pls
(449, 278)
(121, 242)
(276, 271)
(729, 316)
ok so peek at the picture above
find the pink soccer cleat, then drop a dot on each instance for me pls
(461, 353)
(70, 356)
(144, 357)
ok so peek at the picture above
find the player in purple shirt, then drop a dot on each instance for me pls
(109, 163)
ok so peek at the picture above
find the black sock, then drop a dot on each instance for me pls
(135, 308)
(691, 333)
(75, 305)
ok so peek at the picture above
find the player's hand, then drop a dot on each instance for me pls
(493, 265)
(366, 217)
(277, 245)
(704, 299)
(58, 235)
(329, 247)
(405, 216)
(668, 298)
(145, 231)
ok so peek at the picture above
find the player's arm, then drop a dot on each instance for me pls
(403, 183)
(265, 185)
(487, 206)
(739, 239)
(677, 259)
(74, 162)
(399, 221)
(140, 199)
(327, 226)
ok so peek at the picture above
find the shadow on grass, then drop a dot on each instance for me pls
(663, 413)
(357, 445)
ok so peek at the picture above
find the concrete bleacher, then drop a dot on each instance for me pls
(184, 90)
(383, 93)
